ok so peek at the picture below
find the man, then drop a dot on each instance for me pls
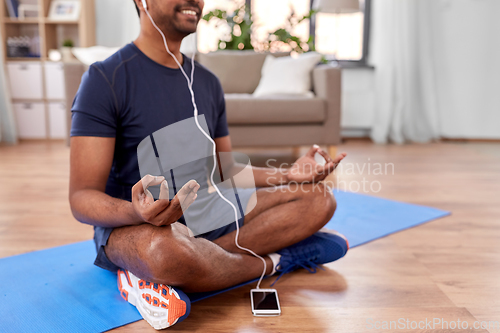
(131, 95)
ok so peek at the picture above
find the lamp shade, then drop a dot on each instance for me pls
(336, 6)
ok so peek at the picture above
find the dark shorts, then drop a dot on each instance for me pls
(101, 235)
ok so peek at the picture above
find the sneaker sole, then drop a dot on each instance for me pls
(160, 305)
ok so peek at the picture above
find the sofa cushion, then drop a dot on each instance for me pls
(244, 109)
(287, 75)
(238, 71)
(89, 55)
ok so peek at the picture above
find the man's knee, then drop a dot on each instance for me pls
(170, 258)
(323, 201)
(330, 202)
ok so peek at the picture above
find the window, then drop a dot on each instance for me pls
(343, 36)
(208, 33)
(270, 15)
(340, 36)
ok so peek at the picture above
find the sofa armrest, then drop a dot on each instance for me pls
(327, 83)
(73, 72)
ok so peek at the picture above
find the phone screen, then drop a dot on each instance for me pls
(265, 300)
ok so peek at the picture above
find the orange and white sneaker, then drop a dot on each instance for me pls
(160, 305)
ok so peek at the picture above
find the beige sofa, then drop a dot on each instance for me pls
(264, 121)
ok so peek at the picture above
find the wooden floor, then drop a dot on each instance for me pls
(448, 269)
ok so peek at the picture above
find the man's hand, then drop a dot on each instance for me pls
(306, 169)
(162, 211)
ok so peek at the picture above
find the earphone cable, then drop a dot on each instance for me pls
(214, 152)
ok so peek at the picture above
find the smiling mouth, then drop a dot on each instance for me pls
(189, 12)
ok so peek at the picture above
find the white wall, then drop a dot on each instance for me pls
(467, 49)
(465, 53)
(358, 94)
(117, 24)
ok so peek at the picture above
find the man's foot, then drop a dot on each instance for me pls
(320, 248)
(160, 305)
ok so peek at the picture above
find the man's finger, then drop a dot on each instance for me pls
(187, 192)
(188, 200)
(171, 214)
(312, 151)
(184, 198)
(145, 182)
(164, 190)
(324, 170)
(325, 155)
(339, 158)
(190, 186)
(150, 212)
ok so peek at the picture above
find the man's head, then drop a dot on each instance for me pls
(174, 16)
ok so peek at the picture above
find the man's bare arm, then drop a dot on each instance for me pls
(263, 176)
(305, 169)
(91, 159)
(90, 164)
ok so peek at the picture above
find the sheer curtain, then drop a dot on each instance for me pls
(8, 133)
(402, 53)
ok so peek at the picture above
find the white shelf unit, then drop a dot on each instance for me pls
(37, 84)
(37, 91)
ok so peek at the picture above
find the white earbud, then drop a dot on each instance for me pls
(144, 4)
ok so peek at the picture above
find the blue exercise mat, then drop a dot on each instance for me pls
(363, 218)
(60, 290)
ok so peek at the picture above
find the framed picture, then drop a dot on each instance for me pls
(64, 10)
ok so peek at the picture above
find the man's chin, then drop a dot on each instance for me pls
(186, 30)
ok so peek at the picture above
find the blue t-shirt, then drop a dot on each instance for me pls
(129, 96)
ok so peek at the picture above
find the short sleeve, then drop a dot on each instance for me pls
(94, 110)
(221, 128)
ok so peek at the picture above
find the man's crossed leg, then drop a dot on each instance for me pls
(162, 256)
(168, 255)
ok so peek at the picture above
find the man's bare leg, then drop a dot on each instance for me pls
(169, 256)
(283, 216)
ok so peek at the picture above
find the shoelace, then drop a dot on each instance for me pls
(305, 260)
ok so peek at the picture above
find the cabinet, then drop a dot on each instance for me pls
(39, 114)
(30, 119)
(57, 120)
(37, 84)
(25, 80)
(54, 80)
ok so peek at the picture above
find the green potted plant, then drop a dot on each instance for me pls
(240, 37)
(285, 36)
(240, 26)
(66, 50)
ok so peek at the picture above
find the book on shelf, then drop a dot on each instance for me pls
(12, 7)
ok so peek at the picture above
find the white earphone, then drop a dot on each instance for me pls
(190, 86)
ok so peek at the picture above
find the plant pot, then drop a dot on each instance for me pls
(67, 55)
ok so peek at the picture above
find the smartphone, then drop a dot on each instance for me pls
(265, 302)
